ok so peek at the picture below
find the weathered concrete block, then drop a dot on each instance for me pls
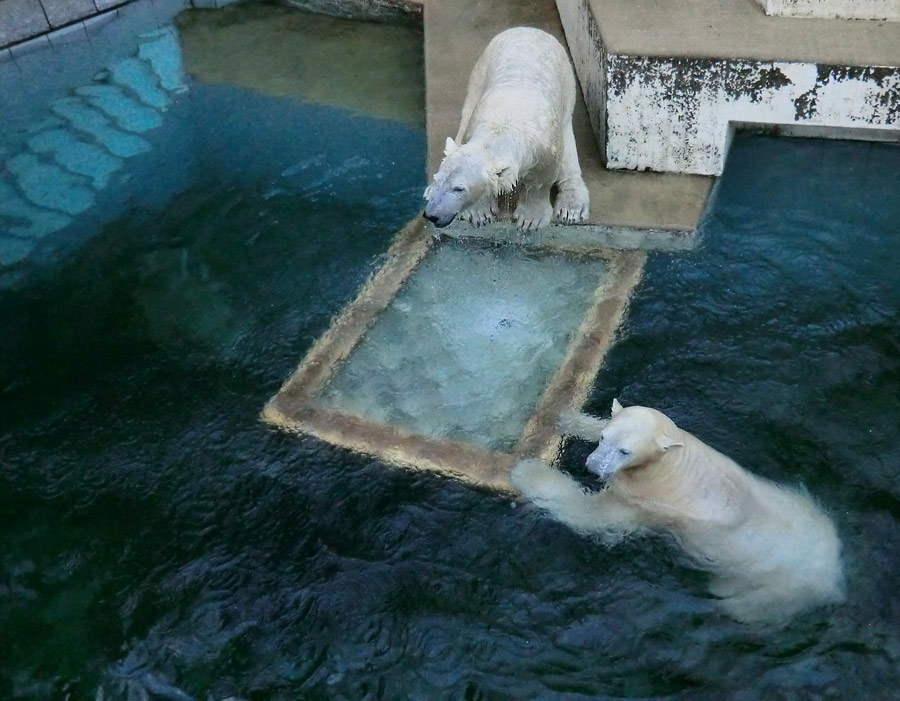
(675, 114)
(670, 105)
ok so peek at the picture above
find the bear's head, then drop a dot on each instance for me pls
(467, 174)
(634, 437)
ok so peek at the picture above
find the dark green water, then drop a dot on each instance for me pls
(157, 541)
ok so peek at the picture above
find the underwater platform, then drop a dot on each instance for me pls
(459, 354)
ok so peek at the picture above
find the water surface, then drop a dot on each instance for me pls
(156, 538)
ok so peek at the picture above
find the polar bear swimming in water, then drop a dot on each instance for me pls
(515, 133)
(771, 550)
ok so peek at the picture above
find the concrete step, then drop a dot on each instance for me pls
(49, 185)
(138, 76)
(621, 202)
(89, 120)
(162, 50)
(24, 219)
(129, 114)
(76, 156)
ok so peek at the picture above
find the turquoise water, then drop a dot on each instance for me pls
(158, 541)
(466, 348)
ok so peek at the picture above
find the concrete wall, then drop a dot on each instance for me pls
(677, 114)
(846, 9)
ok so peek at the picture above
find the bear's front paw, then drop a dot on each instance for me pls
(533, 215)
(483, 212)
(572, 205)
(480, 217)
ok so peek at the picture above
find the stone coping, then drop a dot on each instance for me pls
(21, 20)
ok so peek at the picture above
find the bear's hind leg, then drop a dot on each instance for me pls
(581, 425)
(572, 198)
(534, 209)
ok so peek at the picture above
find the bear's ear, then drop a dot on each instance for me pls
(666, 444)
(616, 407)
(450, 146)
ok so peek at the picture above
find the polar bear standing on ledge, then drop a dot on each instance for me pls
(515, 132)
(772, 552)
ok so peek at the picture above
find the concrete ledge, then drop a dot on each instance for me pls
(622, 203)
(667, 81)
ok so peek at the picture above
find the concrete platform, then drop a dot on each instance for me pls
(667, 81)
(303, 404)
(622, 203)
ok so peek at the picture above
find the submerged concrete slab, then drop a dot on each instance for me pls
(455, 35)
(666, 82)
(306, 404)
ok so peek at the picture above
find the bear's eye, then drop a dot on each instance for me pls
(459, 188)
(624, 451)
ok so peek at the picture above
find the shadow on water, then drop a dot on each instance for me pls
(157, 541)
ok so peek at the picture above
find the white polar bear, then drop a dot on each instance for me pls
(515, 133)
(772, 552)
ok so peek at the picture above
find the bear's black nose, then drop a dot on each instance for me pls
(431, 217)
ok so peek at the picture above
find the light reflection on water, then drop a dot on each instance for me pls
(155, 535)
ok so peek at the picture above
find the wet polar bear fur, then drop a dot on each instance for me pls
(515, 133)
(771, 550)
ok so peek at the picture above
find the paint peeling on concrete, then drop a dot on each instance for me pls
(674, 114)
(844, 9)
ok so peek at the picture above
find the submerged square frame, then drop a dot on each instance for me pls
(294, 407)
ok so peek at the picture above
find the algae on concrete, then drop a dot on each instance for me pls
(280, 51)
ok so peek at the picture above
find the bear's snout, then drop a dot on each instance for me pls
(436, 219)
(601, 464)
